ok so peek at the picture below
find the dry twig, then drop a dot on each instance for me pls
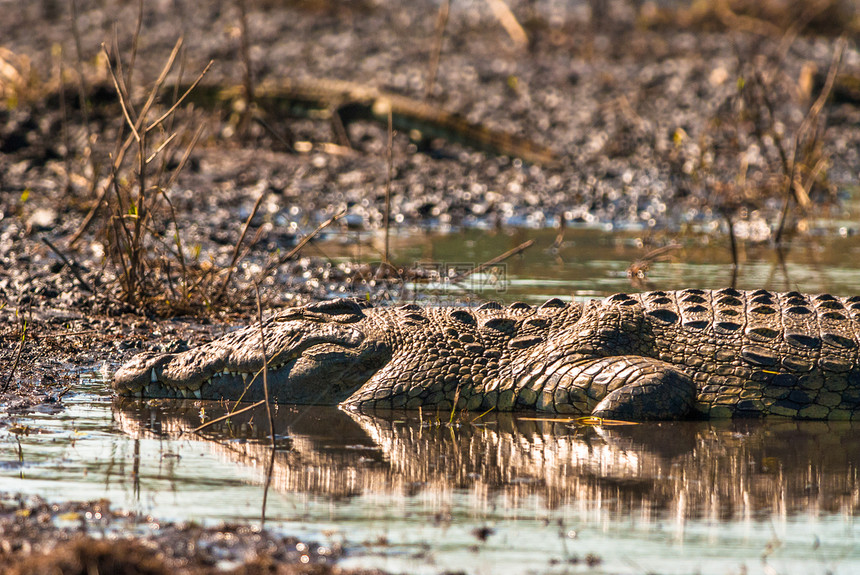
(498, 259)
(386, 261)
(268, 404)
(304, 241)
(235, 258)
(72, 267)
(436, 51)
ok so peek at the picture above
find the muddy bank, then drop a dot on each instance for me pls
(652, 126)
(37, 537)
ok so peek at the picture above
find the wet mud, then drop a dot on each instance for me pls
(38, 537)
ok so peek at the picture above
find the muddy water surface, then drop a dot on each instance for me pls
(425, 493)
(589, 262)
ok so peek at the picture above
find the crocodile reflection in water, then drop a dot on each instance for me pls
(690, 469)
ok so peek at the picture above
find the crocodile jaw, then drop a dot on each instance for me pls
(300, 361)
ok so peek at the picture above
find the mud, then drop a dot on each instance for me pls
(37, 537)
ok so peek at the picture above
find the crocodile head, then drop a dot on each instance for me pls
(316, 354)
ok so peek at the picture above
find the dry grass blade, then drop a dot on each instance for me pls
(179, 253)
(181, 98)
(135, 41)
(639, 268)
(156, 87)
(498, 259)
(550, 419)
(161, 147)
(811, 11)
(270, 466)
(120, 77)
(235, 258)
(806, 137)
(265, 367)
(818, 106)
(304, 241)
(70, 265)
(816, 170)
(268, 404)
(185, 156)
(436, 51)
(483, 414)
(199, 428)
(733, 245)
(118, 157)
(734, 21)
(386, 260)
(763, 91)
(18, 352)
(590, 420)
(509, 22)
(454, 403)
(120, 95)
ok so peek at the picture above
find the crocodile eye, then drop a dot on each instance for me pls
(303, 315)
(289, 316)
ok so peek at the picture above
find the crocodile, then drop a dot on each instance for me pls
(683, 354)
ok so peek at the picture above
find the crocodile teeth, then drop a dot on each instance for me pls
(197, 393)
(226, 372)
(152, 377)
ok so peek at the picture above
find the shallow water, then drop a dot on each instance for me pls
(412, 493)
(419, 493)
(594, 262)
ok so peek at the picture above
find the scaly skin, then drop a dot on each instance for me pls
(658, 355)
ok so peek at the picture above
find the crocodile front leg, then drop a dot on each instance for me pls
(626, 387)
(637, 388)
